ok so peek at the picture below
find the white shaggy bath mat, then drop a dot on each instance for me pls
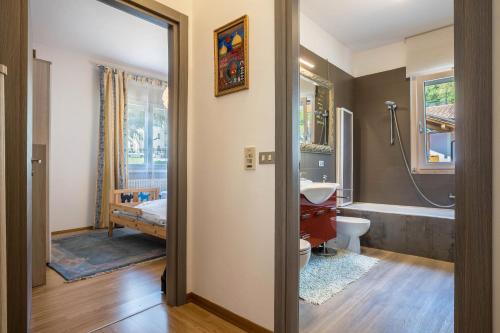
(324, 277)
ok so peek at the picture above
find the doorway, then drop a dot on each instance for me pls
(475, 241)
(19, 120)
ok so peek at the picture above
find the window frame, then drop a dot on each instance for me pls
(419, 163)
(147, 165)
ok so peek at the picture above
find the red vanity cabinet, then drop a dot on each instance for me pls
(318, 222)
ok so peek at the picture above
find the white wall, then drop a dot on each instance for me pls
(496, 166)
(182, 6)
(73, 138)
(232, 210)
(378, 60)
(317, 40)
(411, 53)
(74, 128)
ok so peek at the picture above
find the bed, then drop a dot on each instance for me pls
(140, 209)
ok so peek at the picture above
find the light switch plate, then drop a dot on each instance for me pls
(266, 157)
(250, 158)
(321, 163)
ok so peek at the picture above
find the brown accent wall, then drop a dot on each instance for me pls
(379, 174)
(343, 83)
(343, 89)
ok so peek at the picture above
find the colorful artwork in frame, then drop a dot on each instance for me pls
(231, 57)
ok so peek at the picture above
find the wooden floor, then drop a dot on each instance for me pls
(88, 304)
(121, 298)
(161, 319)
(401, 294)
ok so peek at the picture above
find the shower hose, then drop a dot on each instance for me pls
(420, 192)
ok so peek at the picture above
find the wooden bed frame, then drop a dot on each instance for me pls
(129, 207)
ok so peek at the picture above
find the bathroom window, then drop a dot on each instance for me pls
(433, 123)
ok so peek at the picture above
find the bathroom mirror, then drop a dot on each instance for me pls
(317, 118)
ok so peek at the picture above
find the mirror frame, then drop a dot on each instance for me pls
(313, 147)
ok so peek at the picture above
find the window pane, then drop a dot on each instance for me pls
(136, 133)
(159, 135)
(440, 120)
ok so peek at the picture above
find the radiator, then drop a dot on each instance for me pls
(148, 183)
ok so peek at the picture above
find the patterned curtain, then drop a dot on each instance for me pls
(111, 159)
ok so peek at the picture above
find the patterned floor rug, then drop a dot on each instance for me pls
(324, 277)
(80, 256)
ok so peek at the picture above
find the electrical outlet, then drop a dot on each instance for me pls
(266, 157)
(250, 158)
(321, 163)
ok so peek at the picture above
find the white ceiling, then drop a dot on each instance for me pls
(101, 31)
(366, 24)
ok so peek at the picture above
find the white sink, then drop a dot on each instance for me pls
(304, 182)
(317, 193)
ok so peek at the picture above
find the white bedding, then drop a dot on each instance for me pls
(154, 212)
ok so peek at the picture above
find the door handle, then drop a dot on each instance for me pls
(36, 161)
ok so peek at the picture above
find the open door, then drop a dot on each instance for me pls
(39, 213)
(15, 56)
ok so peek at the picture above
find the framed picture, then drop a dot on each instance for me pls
(231, 57)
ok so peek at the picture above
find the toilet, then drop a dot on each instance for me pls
(304, 252)
(349, 229)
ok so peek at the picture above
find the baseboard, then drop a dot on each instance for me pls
(68, 231)
(227, 315)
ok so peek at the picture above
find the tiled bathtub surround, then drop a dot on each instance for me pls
(420, 231)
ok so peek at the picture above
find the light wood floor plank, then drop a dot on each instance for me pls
(401, 294)
(85, 305)
(164, 319)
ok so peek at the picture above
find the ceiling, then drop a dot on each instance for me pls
(366, 24)
(101, 31)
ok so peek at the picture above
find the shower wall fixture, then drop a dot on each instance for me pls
(345, 156)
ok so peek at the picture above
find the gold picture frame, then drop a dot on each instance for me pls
(231, 62)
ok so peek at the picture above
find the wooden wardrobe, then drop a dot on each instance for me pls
(40, 170)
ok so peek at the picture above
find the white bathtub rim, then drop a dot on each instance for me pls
(440, 213)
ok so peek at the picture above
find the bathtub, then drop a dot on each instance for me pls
(420, 231)
(402, 210)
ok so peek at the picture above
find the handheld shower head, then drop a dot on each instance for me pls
(391, 106)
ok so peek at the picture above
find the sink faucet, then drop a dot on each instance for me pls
(324, 178)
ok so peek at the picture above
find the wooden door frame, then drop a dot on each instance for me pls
(18, 132)
(177, 25)
(286, 293)
(473, 170)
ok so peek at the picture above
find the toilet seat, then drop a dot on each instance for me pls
(304, 252)
(350, 219)
(304, 246)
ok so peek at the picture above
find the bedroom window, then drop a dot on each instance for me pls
(433, 123)
(147, 143)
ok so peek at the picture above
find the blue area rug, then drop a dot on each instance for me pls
(84, 255)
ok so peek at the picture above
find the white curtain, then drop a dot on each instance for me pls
(147, 133)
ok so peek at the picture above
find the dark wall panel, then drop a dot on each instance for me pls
(310, 166)
(379, 173)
